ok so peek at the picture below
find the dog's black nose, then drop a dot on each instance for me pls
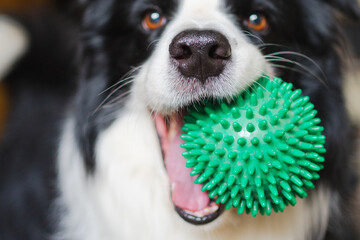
(200, 54)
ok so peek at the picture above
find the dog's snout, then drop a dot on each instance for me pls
(200, 54)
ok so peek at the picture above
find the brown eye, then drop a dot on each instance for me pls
(153, 20)
(257, 22)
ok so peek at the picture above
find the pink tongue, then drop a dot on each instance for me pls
(185, 193)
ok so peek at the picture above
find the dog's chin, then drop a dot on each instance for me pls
(193, 205)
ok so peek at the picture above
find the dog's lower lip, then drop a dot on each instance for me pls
(199, 220)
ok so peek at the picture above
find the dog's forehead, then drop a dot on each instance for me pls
(200, 6)
(199, 11)
(207, 6)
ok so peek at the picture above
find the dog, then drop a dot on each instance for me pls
(92, 151)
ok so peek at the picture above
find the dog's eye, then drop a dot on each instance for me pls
(257, 22)
(153, 20)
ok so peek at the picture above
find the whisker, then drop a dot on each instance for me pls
(125, 77)
(303, 56)
(260, 85)
(291, 69)
(113, 114)
(252, 35)
(152, 43)
(110, 95)
(285, 60)
(116, 100)
(264, 45)
(116, 84)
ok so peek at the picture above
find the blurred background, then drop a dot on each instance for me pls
(22, 5)
(352, 86)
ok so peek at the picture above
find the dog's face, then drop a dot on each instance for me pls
(186, 50)
(203, 52)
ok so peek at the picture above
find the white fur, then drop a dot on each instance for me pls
(13, 44)
(128, 196)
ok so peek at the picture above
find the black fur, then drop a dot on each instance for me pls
(106, 56)
(111, 42)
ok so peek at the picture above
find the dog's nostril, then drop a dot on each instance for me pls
(200, 54)
(220, 52)
(186, 52)
(181, 52)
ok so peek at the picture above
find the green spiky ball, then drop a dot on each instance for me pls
(258, 152)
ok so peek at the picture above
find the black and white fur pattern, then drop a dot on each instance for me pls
(110, 176)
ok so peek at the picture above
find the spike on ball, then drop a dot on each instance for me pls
(259, 152)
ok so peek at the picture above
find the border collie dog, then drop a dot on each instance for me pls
(92, 150)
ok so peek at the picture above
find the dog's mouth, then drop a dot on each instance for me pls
(193, 205)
